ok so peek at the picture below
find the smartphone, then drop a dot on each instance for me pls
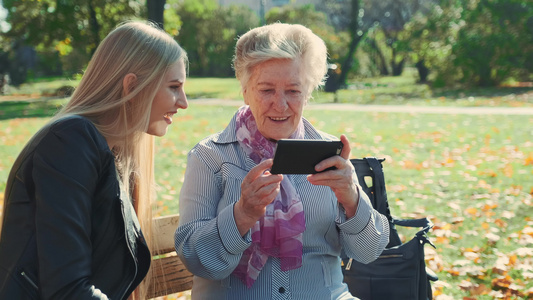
(295, 156)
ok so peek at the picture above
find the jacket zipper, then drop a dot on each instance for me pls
(349, 264)
(28, 279)
(391, 256)
(128, 244)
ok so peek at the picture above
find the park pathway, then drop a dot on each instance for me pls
(389, 108)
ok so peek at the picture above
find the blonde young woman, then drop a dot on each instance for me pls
(80, 191)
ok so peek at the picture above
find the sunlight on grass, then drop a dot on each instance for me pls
(388, 90)
(470, 174)
(221, 88)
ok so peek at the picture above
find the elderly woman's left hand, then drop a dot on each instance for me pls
(341, 180)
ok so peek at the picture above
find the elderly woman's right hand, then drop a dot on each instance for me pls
(258, 189)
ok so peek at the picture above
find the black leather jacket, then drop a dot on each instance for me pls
(67, 231)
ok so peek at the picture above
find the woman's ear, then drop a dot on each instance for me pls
(245, 96)
(128, 83)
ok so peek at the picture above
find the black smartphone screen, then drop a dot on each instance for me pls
(294, 156)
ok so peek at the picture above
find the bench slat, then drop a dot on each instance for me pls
(170, 275)
(164, 228)
(172, 278)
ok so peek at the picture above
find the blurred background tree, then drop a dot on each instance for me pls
(479, 43)
(64, 33)
(459, 42)
(209, 33)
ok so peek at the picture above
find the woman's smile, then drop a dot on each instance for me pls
(168, 117)
(276, 95)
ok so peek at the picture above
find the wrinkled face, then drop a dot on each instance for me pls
(276, 94)
(169, 98)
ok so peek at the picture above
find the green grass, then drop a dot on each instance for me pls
(471, 174)
(404, 90)
(222, 88)
(383, 90)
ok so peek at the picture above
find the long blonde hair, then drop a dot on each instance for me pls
(122, 113)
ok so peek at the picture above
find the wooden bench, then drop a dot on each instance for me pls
(172, 277)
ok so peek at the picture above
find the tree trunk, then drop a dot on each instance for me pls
(95, 27)
(356, 38)
(383, 70)
(484, 72)
(155, 11)
(397, 68)
(423, 71)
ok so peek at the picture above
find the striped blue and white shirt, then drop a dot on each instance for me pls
(209, 244)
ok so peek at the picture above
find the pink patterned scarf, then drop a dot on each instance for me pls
(279, 232)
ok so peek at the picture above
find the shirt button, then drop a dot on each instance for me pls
(282, 290)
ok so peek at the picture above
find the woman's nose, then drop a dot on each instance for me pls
(280, 102)
(182, 101)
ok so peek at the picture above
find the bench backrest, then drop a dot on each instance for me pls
(172, 277)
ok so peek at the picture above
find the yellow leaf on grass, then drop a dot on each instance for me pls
(501, 223)
(489, 173)
(487, 207)
(409, 164)
(442, 240)
(471, 211)
(508, 170)
(528, 230)
(512, 260)
(487, 139)
(501, 282)
(529, 160)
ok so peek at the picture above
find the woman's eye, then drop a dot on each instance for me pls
(175, 87)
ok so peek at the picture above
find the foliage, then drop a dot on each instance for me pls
(388, 20)
(66, 24)
(468, 42)
(495, 43)
(306, 15)
(209, 33)
(431, 36)
(172, 20)
(486, 41)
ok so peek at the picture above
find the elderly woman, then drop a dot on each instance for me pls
(248, 234)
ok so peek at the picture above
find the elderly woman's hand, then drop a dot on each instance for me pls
(258, 189)
(342, 180)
